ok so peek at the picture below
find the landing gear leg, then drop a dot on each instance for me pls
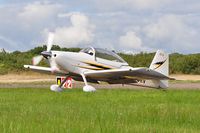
(87, 88)
(57, 88)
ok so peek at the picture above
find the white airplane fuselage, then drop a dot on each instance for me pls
(95, 65)
(78, 63)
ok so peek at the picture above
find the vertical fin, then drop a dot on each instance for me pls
(160, 63)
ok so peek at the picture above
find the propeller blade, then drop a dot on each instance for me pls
(37, 59)
(53, 66)
(50, 41)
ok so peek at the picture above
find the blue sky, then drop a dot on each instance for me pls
(128, 25)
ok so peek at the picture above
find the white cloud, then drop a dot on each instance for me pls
(147, 21)
(38, 12)
(164, 28)
(147, 4)
(131, 5)
(171, 32)
(131, 40)
(78, 34)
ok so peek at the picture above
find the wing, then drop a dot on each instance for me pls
(127, 73)
(46, 70)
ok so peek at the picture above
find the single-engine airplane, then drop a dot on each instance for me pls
(94, 65)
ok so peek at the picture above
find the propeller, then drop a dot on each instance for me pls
(37, 59)
(45, 54)
(50, 41)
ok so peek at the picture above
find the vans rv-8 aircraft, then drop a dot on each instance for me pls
(94, 65)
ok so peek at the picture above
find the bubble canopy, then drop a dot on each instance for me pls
(103, 54)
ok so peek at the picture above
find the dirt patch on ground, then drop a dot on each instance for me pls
(186, 77)
(35, 80)
(46, 85)
(35, 77)
(26, 78)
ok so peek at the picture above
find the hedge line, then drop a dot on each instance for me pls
(179, 63)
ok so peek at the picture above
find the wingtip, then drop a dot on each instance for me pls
(26, 66)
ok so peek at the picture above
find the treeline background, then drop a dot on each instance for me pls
(179, 63)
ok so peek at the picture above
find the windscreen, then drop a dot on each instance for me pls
(108, 55)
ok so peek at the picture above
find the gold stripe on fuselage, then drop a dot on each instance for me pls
(130, 77)
(90, 67)
(98, 65)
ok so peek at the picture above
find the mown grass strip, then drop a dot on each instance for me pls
(40, 110)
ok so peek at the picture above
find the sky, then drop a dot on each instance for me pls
(129, 26)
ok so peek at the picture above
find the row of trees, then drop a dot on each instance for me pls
(179, 63)
(14, 61)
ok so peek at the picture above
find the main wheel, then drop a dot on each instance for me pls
(89, 88)
(56, 88)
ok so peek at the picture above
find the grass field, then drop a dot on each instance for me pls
(40, 110)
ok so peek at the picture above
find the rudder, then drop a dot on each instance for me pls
(160, 64)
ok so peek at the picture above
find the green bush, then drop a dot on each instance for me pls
(179, 63)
